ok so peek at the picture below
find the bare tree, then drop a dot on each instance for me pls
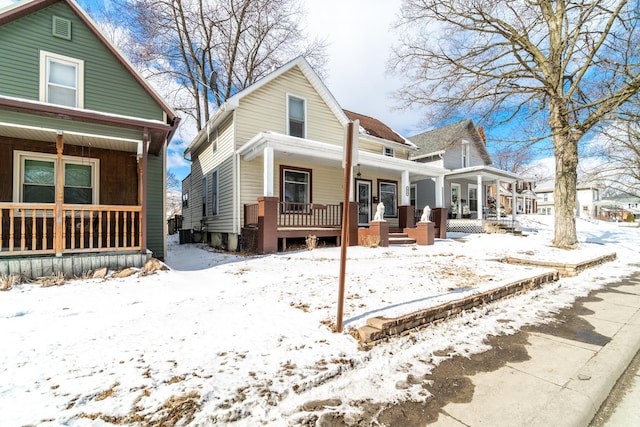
(173, 183)
(213, 49)
(618, 154)
(564, 64)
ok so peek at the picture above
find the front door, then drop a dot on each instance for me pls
(363, 197)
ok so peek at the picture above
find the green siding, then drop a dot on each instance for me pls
(108, 86)
(155, 205)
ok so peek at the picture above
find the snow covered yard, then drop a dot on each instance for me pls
(222, 338)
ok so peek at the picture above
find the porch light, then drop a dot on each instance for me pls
(359, 175)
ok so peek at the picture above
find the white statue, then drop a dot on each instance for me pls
(379, 216)
(426, 213)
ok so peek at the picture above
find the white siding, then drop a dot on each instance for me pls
(265, 110)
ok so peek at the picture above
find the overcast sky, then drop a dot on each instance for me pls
(360, 38)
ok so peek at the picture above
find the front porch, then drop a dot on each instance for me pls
(39, 239)
(270, 222)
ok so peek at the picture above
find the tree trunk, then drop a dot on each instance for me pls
(565, 147)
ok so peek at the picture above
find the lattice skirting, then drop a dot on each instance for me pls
(465, 225)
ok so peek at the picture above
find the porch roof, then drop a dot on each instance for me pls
(331, 155)
(486, 172)
(65, 117)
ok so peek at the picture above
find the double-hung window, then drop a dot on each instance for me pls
(296, 188)
(61, 80)
(388, 193)
(465, 154)
(36, 177)
(296, 111)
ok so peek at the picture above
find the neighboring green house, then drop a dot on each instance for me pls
(83, 141)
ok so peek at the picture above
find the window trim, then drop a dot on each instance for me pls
(465, 153)
(395, 208)
(45, 57)
(215, 193)
(288, 117)
(205, 196)
(19, 158)
(309, 172)
(388, 151)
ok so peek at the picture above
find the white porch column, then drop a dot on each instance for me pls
(439, 191)
(514, 203)
(405, 185)
(481, 198)
(498, 186)
(267, 179)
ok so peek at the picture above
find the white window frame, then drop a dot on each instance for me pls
(213, 138)
(304, 107)
(465, 153)
(388, 151)
(45, 58)
(19, 158)
(471, 187)
(215, 194)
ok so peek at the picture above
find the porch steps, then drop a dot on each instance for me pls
(400, 239)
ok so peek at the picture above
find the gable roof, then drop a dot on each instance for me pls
(26, 7)
(233, 102)
(375, 127)
(440, 139)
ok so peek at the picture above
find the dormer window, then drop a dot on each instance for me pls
(389, 152)
(61, 80)
(296, 111)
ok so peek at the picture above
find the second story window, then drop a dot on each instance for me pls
(465, 154)
(389, 152)
(61, 80)
(296, 125)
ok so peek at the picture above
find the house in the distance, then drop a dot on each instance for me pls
(587, 199)
(472, 188)
(83, 141)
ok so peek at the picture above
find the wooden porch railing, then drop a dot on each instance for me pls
(30, 228)
(309, 215)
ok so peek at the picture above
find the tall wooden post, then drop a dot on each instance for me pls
(59, 226)
(345, 224)
(143, 214)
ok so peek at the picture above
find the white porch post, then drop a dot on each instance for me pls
(513, 201)
(498, 186)
(267, 179)
(481, 199)
(406, 191)
(439, 191)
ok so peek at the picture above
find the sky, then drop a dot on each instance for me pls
(359, 38)
(246, 340)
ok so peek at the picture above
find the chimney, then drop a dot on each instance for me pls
(482, 135)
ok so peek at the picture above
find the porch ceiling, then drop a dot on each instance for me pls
(294, 149)
(71, 138)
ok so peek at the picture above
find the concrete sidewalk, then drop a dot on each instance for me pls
(565, 381)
